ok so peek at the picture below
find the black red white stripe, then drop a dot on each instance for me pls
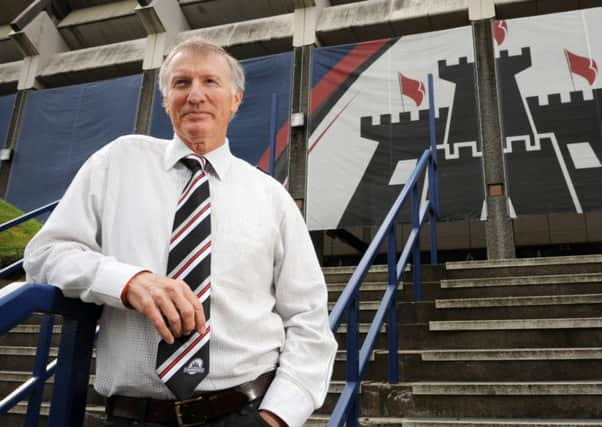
(190, 261)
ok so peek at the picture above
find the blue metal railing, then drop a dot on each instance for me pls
(72, 366)
(347, 407)
(18, 265)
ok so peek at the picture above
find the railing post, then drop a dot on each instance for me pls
(273, 134)
(432, 173)
(35, 399)
(73, 371)
(353, 359)
(416, 273)
(392, 310)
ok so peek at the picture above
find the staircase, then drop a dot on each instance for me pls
(493, 343)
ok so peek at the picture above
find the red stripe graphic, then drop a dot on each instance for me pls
(325, 88)
(191, 260)
(330, 124)
(177, 359)
(190, 221)
(339, 73)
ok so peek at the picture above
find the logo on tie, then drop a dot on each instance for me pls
(194, 367)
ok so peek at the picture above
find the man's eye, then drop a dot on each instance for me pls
(180, 83)
(212, 82)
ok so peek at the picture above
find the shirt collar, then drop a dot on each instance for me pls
(220, 159)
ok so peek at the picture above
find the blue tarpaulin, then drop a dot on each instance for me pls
(61, 128)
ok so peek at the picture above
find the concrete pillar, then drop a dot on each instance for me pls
(498, 228)
(11, 141)
(162, 20)
(297, 170)
(307, 14)
(39, 40)
(145, 103)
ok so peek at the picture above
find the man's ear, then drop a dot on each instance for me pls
(165, 104)
(237, 101)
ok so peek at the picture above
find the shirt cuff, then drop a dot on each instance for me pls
(287, 400)
(111, 278)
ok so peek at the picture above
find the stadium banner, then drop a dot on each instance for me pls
(369, 126)
(61, 128)
(268, 80)
(7, 104)
(550, 97)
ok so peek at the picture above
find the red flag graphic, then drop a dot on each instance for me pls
(412, 88)
(500, 31)
(583, 66)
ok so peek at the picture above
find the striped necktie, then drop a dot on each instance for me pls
(183, 364)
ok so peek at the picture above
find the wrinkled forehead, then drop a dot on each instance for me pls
(190, 60)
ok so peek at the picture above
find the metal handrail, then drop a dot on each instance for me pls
(347, 407)
(72, 365)
(75, 350)
(18, 265)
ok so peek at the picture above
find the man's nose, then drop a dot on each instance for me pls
(196, 94)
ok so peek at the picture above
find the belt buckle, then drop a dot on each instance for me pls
(180, 408)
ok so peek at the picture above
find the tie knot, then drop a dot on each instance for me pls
(194, 162)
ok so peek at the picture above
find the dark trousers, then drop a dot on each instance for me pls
(247, 416)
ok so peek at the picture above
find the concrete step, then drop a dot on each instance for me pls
(508, 291)
(488, 334)
(368, 290)
(525, 266)
(556, 400)
(547, 306)
(512, 324)
(530, 364)
(523, 307)
(10, 380)
(22, 358)
(539, 300)
(343, 274)
(26, 334)
(498, 333)
(476, 422)
(508, 388)
(558, 284)
(529, 280)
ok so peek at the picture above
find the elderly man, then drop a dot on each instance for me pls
(214, 302)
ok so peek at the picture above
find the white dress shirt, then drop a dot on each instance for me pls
(268, 296)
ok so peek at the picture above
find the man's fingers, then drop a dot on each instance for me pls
(170, 313)
(186, 303)
(200, 323)
(158, 322)
(171, 305)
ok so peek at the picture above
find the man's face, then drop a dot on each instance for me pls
(200, 99)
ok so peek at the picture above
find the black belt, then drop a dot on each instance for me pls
(191, 412)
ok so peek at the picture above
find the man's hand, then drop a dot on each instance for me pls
(170, 304)
(272, 419)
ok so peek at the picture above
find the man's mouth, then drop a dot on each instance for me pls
(197, 113)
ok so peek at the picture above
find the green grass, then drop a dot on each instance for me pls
(13, 240)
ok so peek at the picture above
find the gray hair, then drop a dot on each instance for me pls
(199, 45)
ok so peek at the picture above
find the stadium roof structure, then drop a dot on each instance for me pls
(55, 42)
